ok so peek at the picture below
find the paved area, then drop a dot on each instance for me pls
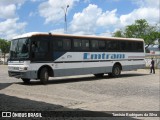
(133, 91)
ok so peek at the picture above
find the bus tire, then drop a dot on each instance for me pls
(44, 75)
(116, 71)
(25, 80)
(99, 75)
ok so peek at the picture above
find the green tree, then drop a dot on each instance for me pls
(4, 46)
(140, 29)
(118, 33)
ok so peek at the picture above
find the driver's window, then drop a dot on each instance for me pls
(40, 48)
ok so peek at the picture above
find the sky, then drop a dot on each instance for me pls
(86, 17)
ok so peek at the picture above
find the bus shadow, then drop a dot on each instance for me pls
(4, 85)
(132, 75)
(64, 80)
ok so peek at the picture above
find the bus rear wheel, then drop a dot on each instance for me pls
(116, 71)
(99, 75)
(25, 80)
(44, 75)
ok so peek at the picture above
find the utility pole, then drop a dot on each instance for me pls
(65, 18)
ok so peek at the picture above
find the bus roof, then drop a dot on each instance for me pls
(73, 35)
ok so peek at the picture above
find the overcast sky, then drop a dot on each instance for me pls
(95, 17)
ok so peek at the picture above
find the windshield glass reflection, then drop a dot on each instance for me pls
(19, 49)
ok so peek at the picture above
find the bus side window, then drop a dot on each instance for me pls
(77, 44)
(94, 45)
(112, 45)
(102, 45)
(85, 44)
(130, 46)
(66, 44)
(123, 46)
(61, 44)
(40, 48)
(58, 44)
(109, 46)
(139, 46)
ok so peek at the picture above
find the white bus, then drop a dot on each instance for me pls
(44, 55)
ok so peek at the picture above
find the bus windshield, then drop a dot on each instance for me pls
(19, 49)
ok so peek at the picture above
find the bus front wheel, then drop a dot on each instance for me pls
(116, 71)
(25, 80)
(44, 75)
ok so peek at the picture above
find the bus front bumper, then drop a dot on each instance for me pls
(23, 74)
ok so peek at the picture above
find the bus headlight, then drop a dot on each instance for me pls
(23, 68)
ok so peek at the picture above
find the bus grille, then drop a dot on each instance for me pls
(15, 74)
